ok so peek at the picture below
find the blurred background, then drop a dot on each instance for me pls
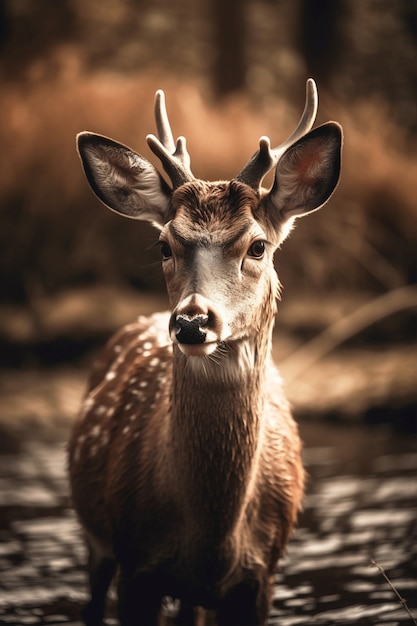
(71, 271)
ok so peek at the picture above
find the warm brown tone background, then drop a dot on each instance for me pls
(232, 71)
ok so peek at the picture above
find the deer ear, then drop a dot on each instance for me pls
(124, 180)
(307, 173)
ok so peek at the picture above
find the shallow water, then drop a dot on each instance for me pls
(361, 505)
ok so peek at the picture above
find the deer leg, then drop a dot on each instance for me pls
(246, 604)
(139, 600)
(101, 571)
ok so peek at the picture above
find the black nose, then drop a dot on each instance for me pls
(190, 330)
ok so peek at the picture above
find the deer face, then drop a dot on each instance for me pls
(217, 260)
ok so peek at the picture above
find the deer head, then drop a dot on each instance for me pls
(218, 238)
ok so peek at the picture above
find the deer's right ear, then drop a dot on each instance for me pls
(124, 180)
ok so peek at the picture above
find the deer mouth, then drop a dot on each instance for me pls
(199, 349)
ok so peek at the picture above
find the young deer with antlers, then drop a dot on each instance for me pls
(185, 462)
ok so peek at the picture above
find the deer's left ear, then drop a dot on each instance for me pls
(307, 173)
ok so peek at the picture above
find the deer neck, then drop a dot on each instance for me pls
(216, 409)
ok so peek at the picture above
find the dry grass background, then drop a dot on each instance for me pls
(54, 234)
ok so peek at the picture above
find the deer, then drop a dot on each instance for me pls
(185, 461)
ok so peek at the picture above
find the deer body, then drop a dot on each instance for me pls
(185, 462)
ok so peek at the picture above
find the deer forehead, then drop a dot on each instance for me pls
(223, 213)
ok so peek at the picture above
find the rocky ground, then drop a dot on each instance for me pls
(360, 506)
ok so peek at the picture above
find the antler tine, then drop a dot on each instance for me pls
(162, 122)
(173, 156)
(266, 158)
(306, 120)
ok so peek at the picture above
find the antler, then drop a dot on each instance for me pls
(173, 156)
(266, 158)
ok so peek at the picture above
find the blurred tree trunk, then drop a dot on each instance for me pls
(408, 12)
(33, 31)
(4, 23)
(229, 19)
(320, 36)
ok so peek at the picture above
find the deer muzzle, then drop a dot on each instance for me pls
(196, 327)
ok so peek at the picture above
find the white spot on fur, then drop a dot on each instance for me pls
(88, 403)
(95, 431)
(111, 375)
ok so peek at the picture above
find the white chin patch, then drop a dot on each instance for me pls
(199, 350)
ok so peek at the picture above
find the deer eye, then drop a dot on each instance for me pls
(257, 249)
(165, 250)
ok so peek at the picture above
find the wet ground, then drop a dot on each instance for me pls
(361, 506)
